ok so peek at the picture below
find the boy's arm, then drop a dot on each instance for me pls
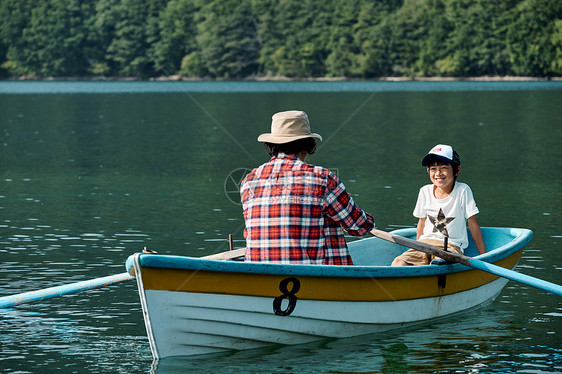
(474, 228)
(421, 225)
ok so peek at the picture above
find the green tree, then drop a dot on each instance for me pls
(4, 72)
(14, 16)
(131, 27)
(154, 36)
(108, 14)
(294, 36)
(227, 39)
(341, 47)
(556, 40)
(433, 46)
(177, 32)
(371, 35)
(50, 39)
(529, 38)
(476, 45)
(268, 34)
(128, 44)
(409, 27)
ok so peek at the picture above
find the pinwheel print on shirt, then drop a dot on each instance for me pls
(440, 223)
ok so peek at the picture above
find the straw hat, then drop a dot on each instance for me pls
(288, 126)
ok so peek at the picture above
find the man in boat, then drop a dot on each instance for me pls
(444, 208)
(294, 211)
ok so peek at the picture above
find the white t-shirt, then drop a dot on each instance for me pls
(459, 204)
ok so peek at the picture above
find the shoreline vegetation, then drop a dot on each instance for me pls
(179, 78)
(265, 40)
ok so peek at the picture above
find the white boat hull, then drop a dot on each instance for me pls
(194, 323)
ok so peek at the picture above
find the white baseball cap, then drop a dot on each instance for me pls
(443, 152)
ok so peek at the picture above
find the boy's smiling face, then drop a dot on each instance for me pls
(442, 176)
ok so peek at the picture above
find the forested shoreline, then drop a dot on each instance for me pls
(292, 39)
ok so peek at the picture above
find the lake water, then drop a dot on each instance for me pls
(91, 172)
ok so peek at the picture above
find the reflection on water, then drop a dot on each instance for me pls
(86, 332)
(88, 179)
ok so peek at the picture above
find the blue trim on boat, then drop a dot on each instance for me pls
(514, 238)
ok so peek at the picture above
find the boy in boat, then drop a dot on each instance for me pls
(444, 208)
(294, 212)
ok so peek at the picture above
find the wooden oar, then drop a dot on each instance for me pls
(67, 289)
(468, 261)
(228, 255)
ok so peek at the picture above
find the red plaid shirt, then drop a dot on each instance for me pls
(295, 212)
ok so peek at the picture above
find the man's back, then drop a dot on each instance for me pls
(294, 212)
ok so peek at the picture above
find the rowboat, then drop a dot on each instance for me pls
(195, 306)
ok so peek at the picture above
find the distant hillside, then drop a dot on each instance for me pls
(298, 39)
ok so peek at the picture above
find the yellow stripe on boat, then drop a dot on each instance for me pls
(318, 288)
